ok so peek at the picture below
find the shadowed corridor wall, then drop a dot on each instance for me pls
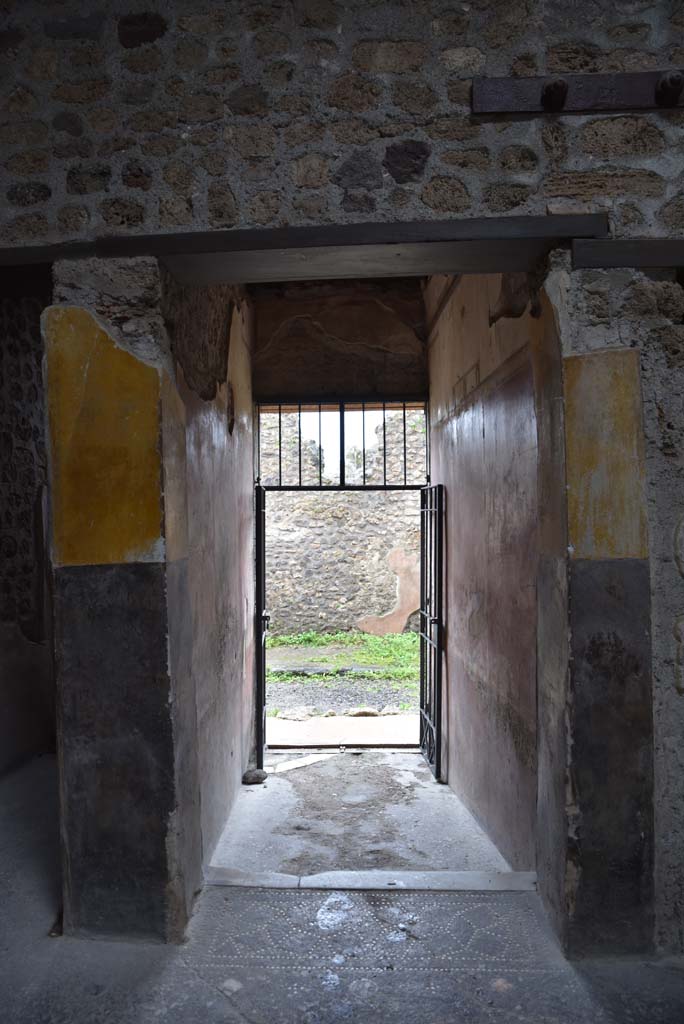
(484, 449)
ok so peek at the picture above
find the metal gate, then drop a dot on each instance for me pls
(431, 624)
(261, 621)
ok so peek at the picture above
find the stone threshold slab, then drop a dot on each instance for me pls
(343, 730)
(405, 881)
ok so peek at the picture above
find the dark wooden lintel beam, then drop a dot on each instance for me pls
(289, 240)
(579, 94)
(591, 253)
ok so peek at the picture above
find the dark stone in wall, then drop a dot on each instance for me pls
(85, 178)
(359, 170)
(612, 733)
(138, 29)
(89, 26)
(68, 122)
(406, 161)
(111, 655)
(10, 39)
(28, 193)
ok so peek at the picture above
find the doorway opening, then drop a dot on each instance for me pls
(345, 547)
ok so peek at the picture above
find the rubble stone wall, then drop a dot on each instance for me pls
(159, 116)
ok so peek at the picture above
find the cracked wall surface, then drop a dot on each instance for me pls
(242, 114)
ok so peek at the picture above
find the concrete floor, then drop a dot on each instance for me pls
(370, 810)
(301, 957)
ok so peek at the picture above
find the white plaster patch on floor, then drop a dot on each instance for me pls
(297, 762)
(334, 911)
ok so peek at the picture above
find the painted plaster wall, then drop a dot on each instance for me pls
(220, 576)
(484, 449)
(116, 782)
(637, 319)
(161, 116)
(152, 525)
(27, 723)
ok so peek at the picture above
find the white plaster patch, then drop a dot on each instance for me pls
(334, 912)
(230, 986)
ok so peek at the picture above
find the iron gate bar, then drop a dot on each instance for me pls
(384, 446)
(404, 414)
(363, 439)
(299, 440)
(280, 445)
(342, 473)
(260, 624)
(320, 449)
(431, 631)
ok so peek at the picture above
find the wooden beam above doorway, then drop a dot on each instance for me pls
(472, 245)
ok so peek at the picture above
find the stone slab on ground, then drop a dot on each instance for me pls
(373, 881)
(344, 730)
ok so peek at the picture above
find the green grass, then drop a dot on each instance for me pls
(393, 657)
(313, 639)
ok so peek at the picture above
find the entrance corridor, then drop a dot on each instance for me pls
(301, 957)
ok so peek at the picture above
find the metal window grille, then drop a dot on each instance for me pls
(303, 446)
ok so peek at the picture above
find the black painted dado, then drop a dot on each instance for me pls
(117, 777)
(187, 834)
(612, 755)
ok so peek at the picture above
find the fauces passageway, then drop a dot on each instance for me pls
(265, 955)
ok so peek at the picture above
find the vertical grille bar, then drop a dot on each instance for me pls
(342, 466)
(320, 449)
(384, 447)
(299, 439)
(280, 446)
(403, 409)
(363, 439)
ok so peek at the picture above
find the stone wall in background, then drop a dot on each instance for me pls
(22, 452)
(27, 723)
(162, 116)
(328, 559)
(345, 560)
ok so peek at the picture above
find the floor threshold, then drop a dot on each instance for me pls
(349, 748)
(377, 880)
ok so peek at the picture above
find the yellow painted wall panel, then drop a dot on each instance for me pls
(605, 455)
(103, 412)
